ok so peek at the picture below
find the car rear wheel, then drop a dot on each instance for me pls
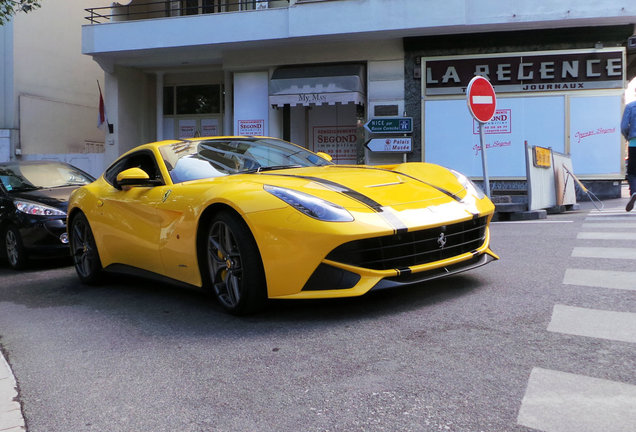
(235, 269)
(14, 248)
(84, 250)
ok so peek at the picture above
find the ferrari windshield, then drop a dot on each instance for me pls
(24, 176)
(193, 160)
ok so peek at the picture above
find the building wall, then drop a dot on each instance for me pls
(385, 96)
(130, 108)
(55, 96)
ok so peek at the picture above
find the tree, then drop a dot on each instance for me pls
(9, 7)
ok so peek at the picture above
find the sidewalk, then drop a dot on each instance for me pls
(11, 419)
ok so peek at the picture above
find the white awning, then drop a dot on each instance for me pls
(317, 85)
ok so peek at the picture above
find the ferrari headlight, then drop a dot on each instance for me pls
(33, 208)
(310, 205)
(471, 188)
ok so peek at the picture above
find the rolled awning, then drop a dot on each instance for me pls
(317, 85)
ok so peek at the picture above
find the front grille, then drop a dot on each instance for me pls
(413, 248)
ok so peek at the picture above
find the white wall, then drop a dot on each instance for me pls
(385, 87)
(6, 76)
(251, 102)
(56, 84)
(130, 106)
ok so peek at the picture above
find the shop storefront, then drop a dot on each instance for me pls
(192, 106)
(320, 107)
(568, 100)
(561, 88)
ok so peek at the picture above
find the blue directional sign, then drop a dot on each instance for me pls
(390, 125)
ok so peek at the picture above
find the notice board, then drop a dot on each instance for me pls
(451, 136)
(595, 137)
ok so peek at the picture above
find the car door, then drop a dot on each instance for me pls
(128, 222)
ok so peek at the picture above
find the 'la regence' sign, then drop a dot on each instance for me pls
(527, 72)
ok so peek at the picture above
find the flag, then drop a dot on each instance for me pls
(102, 120)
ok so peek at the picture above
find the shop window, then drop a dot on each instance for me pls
(194, 99)
(168, 101)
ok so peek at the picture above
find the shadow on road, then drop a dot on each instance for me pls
(152, 305)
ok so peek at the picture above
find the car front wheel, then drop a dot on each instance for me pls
(234, 265)
(14, 249)
(84, 250)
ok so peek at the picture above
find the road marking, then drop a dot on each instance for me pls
(563, 402)
(610, 225)
(606, 218)
(601, 278)
(601, 252)
(601, 324)
(591, 235)
(610, 211)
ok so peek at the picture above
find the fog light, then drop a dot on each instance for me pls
(64, 238)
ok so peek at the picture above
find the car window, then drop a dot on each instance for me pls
(23, 176)
(193, 160)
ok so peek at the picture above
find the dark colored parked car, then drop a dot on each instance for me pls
(33, 201)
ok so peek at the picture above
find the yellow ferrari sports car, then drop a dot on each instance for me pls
(252, 218)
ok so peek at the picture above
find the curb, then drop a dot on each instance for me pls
(11, 419)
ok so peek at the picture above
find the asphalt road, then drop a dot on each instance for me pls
(467, 353)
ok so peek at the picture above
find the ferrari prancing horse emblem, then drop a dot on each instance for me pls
(441, 240)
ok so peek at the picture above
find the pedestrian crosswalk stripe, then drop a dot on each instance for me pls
(602, 252)
(599, 224)
(626, 218)
(602, 324)
(564, 402)
(591, 235)
(600, 278)
(614, 211)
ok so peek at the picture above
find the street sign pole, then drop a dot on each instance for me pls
(482, 102)
(484, 163)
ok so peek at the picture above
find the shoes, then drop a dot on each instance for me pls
(630, 204)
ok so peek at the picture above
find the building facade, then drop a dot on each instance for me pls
(324, 73)
(48, 91)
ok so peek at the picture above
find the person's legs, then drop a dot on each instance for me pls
(631, 180)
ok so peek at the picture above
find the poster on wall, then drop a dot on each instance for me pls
(251, 127)
(595, 137)
(187, 128)
(451, 136)
(337, 141)
(209, 127)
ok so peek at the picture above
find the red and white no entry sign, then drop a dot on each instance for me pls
(481, 99)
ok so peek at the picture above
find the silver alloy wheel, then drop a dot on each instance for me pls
(12, 247)
(224, 262)
(82, 248)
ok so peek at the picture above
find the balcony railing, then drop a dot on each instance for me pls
(171, 8)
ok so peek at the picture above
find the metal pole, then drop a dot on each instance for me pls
(484, 165)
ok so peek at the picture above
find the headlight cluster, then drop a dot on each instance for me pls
(33, 208)
(310, 205)
(471, 188)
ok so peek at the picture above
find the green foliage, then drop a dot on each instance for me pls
(9, 7)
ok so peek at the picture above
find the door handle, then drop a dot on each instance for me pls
(100, 203)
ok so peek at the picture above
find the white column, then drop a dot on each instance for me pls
(159, 98)
(228, 114)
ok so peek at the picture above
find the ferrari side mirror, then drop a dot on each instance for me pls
(134, 177)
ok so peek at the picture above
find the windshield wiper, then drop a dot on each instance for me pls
(25, 188)
(269, 168)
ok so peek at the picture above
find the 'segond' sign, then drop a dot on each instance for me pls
(481, 99)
